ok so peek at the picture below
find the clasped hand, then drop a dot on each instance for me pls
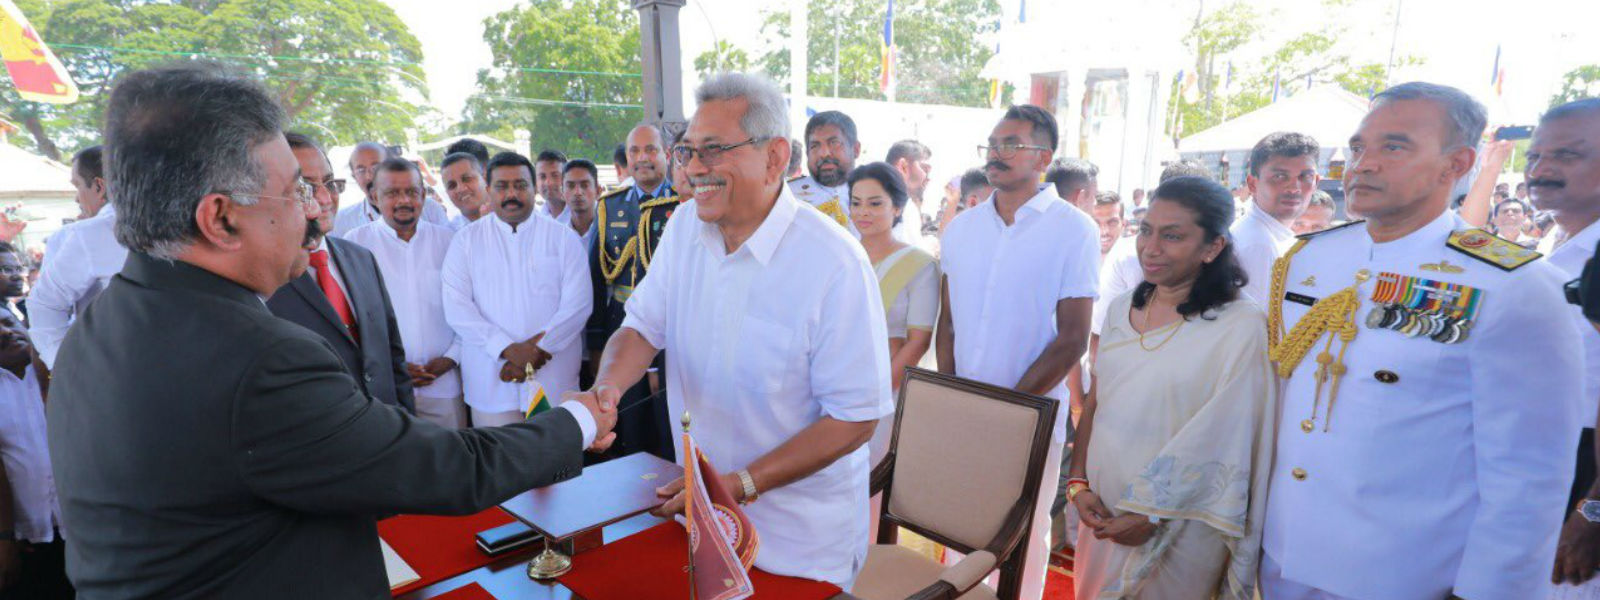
(424, 375)
(601, 400)
(519, 356)
(1132, 529)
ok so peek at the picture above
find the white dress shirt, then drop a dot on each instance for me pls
(361, 213)
(1569, 258)
(27, 457)
(565, 218)
(458, 222)
(909, 230)
(1005, 282)
(1258, 241)
(503, 286)
(1444, 468)
(411, 274)
(765, 341)
(1115, 278)
(86, 257)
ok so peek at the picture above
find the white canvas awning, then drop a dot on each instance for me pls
(1327, 113)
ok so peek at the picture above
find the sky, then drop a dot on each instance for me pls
(1538, 39)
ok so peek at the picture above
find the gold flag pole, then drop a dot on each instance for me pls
(687, 472)
(549, 564)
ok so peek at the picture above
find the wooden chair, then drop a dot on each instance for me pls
(963, 469)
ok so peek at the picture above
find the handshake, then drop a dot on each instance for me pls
(601, 400)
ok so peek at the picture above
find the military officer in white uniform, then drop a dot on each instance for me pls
(831, 151)
(1416, 459)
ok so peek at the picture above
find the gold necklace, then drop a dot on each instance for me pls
(1146, 325)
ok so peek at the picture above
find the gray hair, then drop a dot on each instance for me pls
(1467, 117)
(175, 134)
(767, 117)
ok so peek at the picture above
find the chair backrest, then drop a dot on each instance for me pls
(965, 453)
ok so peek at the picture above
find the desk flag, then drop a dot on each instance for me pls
(34, 70)
(722, 542)
(538, 401)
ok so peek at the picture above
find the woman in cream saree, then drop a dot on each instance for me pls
(1176, 440)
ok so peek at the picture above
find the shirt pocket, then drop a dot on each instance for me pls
(763, 357)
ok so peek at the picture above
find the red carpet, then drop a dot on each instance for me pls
(654, 560)
(1058, 580)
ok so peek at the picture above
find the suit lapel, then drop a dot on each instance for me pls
(306, 286)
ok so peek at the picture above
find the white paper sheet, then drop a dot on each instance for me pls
(399, 572)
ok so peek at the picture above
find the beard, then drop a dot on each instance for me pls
(833, 178)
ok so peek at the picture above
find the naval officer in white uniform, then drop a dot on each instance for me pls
(831, 151)
(1414, 460)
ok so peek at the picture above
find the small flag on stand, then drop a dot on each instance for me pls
(34, 69)
(538, 401)
(722, 541)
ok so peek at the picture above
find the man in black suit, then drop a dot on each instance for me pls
(343, 284)
(204, 448)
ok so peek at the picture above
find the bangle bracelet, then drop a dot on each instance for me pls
(1077, 480)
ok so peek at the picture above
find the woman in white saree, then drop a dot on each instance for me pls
(1174, 445)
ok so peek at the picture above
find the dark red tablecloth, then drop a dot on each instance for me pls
(471, 591)
(650, 565)
(438, 548)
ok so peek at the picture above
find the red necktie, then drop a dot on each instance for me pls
(330, 288)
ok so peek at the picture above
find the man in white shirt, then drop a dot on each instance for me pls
(831, 151)
(580, 183)
(1019, 283)
(516, 291)
(774, 324)
(910, 158)
(1076, 181)
(31, 550)
(364, 160)
(1563, 176)
(79, 260)
(1282, 177)
(547, 167)
(463, 183)
(410, 254)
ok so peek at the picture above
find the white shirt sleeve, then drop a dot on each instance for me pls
(580, 413)
(1080, 275)
(577, 296)
(460, 311)
(63, 280)
(846, 342)
(1524, 473)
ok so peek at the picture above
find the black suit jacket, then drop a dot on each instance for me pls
(378, 363)
(204, 448)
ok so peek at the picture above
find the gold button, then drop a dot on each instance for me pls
(1299, 474)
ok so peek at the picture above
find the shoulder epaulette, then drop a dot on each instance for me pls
(662, 201)
(613, 192)
(1487, 247)
(1311, 234)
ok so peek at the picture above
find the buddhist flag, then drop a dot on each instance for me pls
(722, 542)
(1498, 77)
(34, 70)
(886, 51)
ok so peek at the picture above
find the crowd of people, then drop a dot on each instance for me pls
(221, 377)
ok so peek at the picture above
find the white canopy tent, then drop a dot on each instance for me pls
(43, 189)
(1327, 113)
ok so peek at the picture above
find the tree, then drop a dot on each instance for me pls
(939, 53)
(1577, 84)
(565, 70)
(340, 68)
(722, 57)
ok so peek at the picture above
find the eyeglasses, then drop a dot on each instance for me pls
(302, 194)
(1007, 151)
(334, 186)
(710, 154)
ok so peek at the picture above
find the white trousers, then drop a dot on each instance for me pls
(495, 419)
(1036, 562)
(1274, 587)
(444, 412)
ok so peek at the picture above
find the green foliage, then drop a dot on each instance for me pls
(723, 57)
(1309, 58)
(340, 68)
(584, 114)
(1577, 84)
(938, 41)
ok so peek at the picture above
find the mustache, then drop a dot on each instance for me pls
(1549, 183)
(996, 165)
(512, 203)
(834, 162)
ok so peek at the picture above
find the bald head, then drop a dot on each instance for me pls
(364, 160)
(647, 156)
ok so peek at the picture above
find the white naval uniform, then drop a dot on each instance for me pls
(1446, 467)
(908, 231)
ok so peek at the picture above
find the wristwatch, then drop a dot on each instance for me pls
(1590, 509)
(749, 484)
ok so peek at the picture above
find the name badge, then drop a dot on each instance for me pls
(1300, 299)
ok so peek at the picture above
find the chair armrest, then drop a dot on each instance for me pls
(881, 474)
(970, 570)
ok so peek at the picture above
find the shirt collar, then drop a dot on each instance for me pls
(1583, 241)
(764, 242)
(1425, 238)
(662, 189)
(1278, 230)
(109, 211)
(1041, 201)
(322, 244)
(504, 227)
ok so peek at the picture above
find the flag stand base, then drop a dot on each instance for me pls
(549, 565)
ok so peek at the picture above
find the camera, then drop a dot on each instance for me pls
(1585, 290)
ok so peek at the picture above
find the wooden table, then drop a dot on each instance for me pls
(507, 577)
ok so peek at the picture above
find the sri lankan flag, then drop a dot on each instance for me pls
(34, 70)
(722, 541)
(538, 401)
